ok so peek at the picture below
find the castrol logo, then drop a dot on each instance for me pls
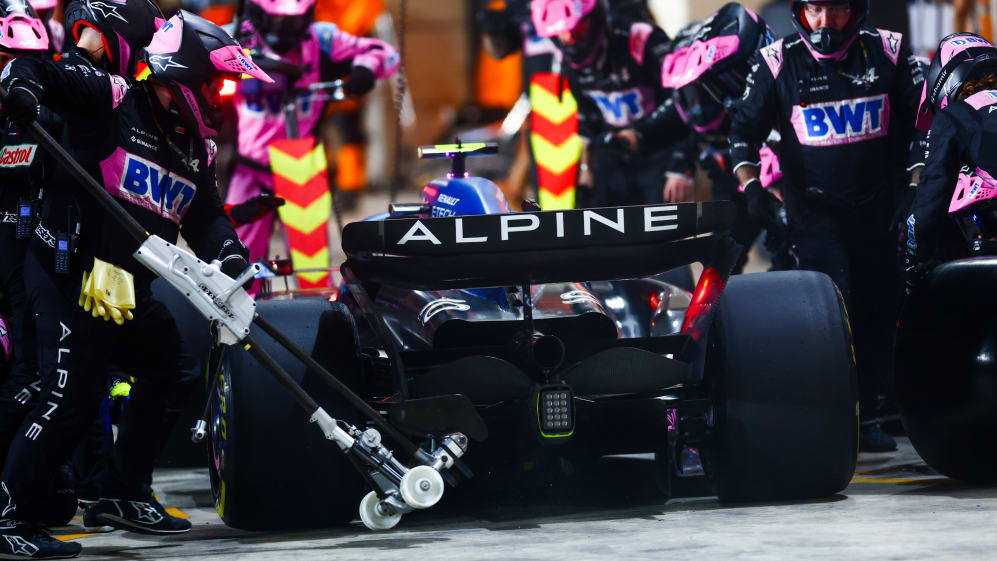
(19, 155)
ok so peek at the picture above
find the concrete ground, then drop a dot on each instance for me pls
(894, 508)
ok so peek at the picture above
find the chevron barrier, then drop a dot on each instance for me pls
(554, 140)
(300, 178)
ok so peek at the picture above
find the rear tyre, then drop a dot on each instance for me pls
(785, 391)
(946, 373)
(271, 468)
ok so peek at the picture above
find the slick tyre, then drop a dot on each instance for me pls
(946, 375)
(781, 368)
(271, 468)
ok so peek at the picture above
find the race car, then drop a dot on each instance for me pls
(526, 338)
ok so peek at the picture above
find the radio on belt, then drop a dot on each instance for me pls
(25, 211)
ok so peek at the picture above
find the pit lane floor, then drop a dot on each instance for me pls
(894, 508)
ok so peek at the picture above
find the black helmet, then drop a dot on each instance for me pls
(281, 23)
(711, 63)
(189, 52)
(826, 42)
(21, 30)
(126, 26)
(959, 57)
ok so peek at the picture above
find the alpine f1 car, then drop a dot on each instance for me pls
(496, 339)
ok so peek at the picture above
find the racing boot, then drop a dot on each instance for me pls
(19, 540)
(872, 438)
(142, 517)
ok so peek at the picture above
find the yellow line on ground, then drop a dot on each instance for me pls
(68, 537)
(894, 480)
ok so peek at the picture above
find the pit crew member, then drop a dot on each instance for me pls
(157, 159)
(284, 29)
(960, 97)
(613, 66)
(843, 97)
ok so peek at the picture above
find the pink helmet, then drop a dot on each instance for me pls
(281, 23)
(284, 7)
(21, 30)
(552, 17)
(189, 52)
(39, 5)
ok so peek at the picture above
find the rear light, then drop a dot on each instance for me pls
(228, 88)
(334, 296)
(707, 291)
(654, 301)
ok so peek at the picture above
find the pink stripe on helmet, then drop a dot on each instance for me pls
(23, 33)
(284, 7)
(836, 55)
(956, 45)
(711, 126)
(124, 53)
(38, 5)
(232, 59)
(195, 108)
(685, 65)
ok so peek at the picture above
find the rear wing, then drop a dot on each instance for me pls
(537, 247)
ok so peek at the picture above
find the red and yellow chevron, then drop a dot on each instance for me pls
(554, 139)
(299, 177)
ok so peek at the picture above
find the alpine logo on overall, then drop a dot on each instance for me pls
(842, 122)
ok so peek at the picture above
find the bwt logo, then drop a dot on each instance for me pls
(842, 122)
(154, 188)
(619, 108)
(969, 41)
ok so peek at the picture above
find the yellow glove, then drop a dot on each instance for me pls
(108, 292)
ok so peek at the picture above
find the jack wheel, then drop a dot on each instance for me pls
(421, 487)
(373, 516)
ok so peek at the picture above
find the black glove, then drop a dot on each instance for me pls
(361, 80)
(916, 270)
(21, 106)
(253, 209)
(234, 260)
(762, 205)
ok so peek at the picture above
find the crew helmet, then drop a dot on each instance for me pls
(827, 43)
(187, 54)
(125, 26)
(21, 30)
(960, 57)
(711, 63)
(281, 23)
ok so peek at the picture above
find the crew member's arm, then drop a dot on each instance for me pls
(208, 230)
(69, 86)
(368, 59)
(751, 120)
(938, 179)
